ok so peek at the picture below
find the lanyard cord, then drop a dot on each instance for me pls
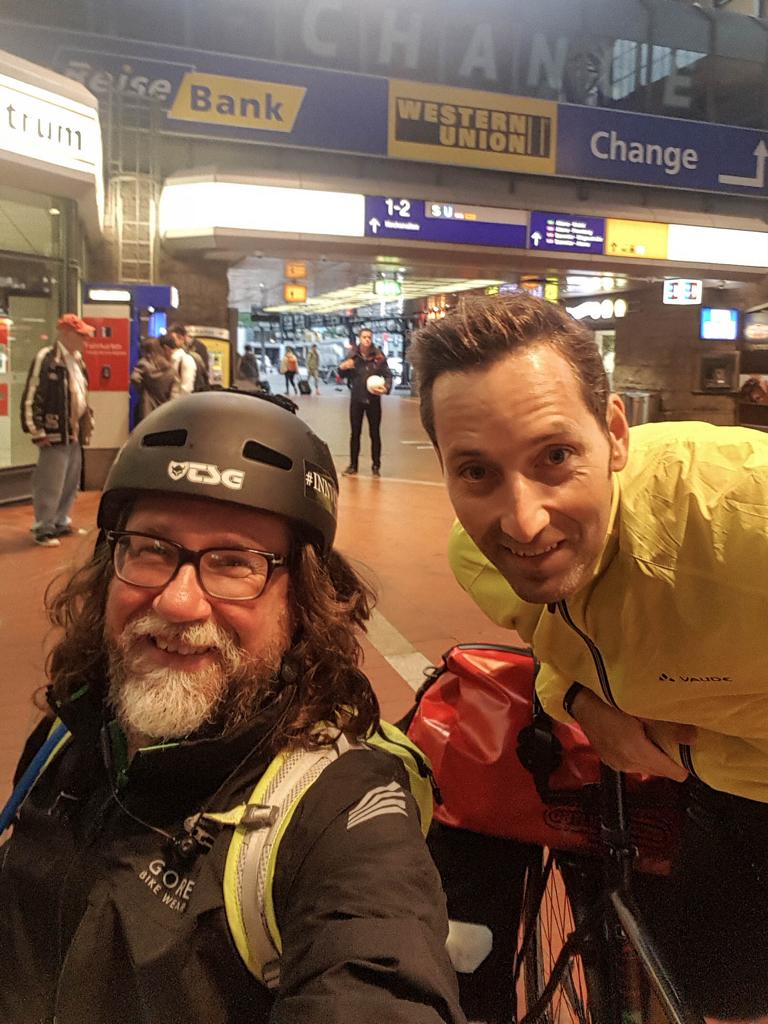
(190, 823)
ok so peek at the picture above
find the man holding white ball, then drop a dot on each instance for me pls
(369, 378)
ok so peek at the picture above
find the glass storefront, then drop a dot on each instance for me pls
(34, 234)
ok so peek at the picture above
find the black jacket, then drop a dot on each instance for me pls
(100, 921)
(45, 403)
(374, 364)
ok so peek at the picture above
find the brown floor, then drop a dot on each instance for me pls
(394, 528)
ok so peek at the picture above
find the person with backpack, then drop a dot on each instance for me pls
(184, 365)
(198, 350)
(212, 825)
(153, 376)
(289, 367)
(247, 375)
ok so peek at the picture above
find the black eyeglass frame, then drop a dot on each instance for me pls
(188, 557)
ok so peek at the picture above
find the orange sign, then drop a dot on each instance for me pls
(295, 268)
(295, 292)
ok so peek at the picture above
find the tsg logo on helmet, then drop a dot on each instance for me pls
(205, 473)
(247, 450)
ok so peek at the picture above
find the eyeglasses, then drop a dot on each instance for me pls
(232, 574)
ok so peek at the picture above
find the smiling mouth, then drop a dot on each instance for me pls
(534, 554)
(176, 647)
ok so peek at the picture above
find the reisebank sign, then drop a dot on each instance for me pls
(228, 97)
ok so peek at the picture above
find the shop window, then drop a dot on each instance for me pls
(30, 223)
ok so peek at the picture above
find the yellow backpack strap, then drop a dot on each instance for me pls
(423, 788)
(250, 866)
(259, 827)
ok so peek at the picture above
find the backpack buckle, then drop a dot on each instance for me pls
(258, 816)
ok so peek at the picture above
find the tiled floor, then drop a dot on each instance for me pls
(394, 528)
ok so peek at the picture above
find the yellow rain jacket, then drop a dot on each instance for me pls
(673, 625)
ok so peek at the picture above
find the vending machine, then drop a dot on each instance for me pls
(121, 314)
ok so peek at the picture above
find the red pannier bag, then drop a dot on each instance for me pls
(476, 716)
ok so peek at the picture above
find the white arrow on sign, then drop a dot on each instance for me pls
(374, 224)
(536, 237)
(761, 152)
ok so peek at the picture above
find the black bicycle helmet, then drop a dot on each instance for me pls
(232, 447)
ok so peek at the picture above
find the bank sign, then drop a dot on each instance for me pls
(260, 101)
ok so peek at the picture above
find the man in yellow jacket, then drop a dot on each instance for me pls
(635, 562)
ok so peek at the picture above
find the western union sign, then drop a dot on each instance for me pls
(471, 128)
(240, 102)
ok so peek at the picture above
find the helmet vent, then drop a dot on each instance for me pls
(260, 453)
(165, 439)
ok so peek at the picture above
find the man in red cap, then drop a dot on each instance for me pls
(55, 413)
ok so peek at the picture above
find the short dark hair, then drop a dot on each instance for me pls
(178, 328)
(484, 330)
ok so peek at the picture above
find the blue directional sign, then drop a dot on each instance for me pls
(423, 220)
(567, 232)
(612, 145)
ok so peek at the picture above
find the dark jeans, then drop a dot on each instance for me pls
(356, 412)
(711, 916)
(290, 381)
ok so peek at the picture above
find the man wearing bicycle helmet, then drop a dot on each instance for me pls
(635, 563)
(206, 671)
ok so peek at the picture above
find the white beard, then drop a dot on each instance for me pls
(163, 703)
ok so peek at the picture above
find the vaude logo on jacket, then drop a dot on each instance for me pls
(205, 473)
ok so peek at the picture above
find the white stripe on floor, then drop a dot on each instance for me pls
(397, 650)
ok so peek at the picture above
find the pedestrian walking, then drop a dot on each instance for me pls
(184, 365)
(153, 377)
(313, 368)
(198, 350)
(289, 367)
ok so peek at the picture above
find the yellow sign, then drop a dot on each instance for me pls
(240, 102)
(295, 268)
(295, 292)
(640, 239)
(471, 128)
(220, 363)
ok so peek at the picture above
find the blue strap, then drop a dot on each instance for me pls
(28, 779)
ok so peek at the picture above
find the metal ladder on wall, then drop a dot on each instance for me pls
(133, 183)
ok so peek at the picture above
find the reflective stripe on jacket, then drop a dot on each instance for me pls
(672, 625)
(102, 920)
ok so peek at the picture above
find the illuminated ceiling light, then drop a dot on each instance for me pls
(363, 295)
(109, 295)
(694, 244)
(54, 211)
(606, 309)
(190, 208)
(620, 308)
